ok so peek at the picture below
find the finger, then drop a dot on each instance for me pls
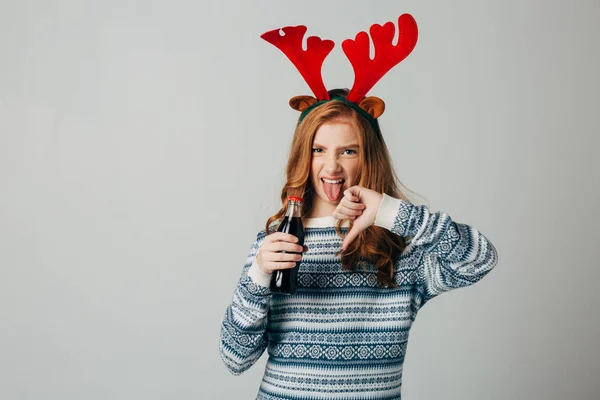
(352, 206)
(286, 237)
(351, 198)
(283, 237)
(282, 257)
(274, 266)
(285, 246)
(343, 216)
(349, 193)
(348, 209)
(287, 257)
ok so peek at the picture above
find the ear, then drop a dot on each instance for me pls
(301, 103)
(373, 105)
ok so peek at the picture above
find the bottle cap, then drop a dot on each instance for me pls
(296, 199)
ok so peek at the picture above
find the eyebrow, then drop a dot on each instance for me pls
(341, 147)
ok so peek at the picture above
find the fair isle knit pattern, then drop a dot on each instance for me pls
(342, 336)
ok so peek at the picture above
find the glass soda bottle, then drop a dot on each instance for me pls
(286, 281)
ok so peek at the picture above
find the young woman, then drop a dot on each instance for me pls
(371, 259)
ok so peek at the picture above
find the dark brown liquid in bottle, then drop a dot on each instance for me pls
(286, 281)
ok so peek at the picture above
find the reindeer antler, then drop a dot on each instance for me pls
(307, 62)
(366, 71)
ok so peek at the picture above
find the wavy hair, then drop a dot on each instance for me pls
(376, 245)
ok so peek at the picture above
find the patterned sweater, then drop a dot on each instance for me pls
(342, 336)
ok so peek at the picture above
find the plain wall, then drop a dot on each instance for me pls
(143, 146)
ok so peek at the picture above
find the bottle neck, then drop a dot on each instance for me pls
(294, 209)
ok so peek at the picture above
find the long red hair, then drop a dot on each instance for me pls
(376, 245)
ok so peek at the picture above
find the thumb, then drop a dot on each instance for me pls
(349, 238)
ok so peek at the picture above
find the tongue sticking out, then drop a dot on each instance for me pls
(333, 190)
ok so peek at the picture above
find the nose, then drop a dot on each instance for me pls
(332, 166)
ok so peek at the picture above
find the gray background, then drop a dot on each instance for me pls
(142, 147)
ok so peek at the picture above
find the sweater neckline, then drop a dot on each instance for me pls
(323, 222)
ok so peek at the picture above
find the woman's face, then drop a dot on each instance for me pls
(335, 155)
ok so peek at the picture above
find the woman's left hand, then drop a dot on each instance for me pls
(360, 205)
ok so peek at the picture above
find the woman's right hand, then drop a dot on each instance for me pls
(270, 259)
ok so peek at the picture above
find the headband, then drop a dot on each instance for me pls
(367, 71)
(354, 106)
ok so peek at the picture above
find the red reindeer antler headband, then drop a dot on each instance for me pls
(367, 72)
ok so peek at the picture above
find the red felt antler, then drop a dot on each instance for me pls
(307, 62)
(366, 71)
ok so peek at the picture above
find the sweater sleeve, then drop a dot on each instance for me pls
(243, 338)
(455, 255)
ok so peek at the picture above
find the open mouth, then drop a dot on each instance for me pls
(332, 181)
(333, 190)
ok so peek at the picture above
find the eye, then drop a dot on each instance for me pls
(320, 150)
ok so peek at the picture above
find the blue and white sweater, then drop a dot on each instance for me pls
(342, 336)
